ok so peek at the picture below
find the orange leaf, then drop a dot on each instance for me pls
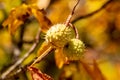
(19, 14)
(16, 24)
(16, 17)
(99, 75)
(93, 71)
(60, 58)
(42, 19)
(38, 75)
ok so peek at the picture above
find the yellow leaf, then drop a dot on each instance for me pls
(19, 14)
(16, 17)
(109, 70)
(42, 19)
(93, 71)
(16, 24)
(60, 58)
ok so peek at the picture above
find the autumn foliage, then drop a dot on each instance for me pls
(60, 40)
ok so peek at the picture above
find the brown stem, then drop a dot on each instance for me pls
(75, 29)
(41, 56)
(71, 14)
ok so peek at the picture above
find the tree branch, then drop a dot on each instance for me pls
(41, 56)
(13, 67)
(71, 14)
(90, 14)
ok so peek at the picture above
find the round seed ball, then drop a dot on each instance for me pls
(58, 35)
(74, 49)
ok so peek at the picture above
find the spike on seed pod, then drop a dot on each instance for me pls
(74, 49)
(58, 35)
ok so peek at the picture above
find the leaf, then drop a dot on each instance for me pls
(38, 75)
(93, 71)
(60, 58)
(97, 71)
(17, 17)
(19, 14)
(42, 19)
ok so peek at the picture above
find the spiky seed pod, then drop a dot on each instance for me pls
(58, 35)
(74, 49)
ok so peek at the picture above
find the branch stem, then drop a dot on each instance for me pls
(71, 14)
(42, 56)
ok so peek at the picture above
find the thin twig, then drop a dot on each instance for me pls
(71, 14)
(12, 68)
(90, 14)
(20, 69)
(75, 29)
(42, 56)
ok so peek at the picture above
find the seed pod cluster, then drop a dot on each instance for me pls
(61, 36)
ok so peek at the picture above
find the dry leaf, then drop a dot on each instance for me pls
(19, 14)
(17, 17)
(38, 75)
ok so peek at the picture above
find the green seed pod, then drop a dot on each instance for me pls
(58, 35)
(74, 49)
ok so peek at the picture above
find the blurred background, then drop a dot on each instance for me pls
(98, 24)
